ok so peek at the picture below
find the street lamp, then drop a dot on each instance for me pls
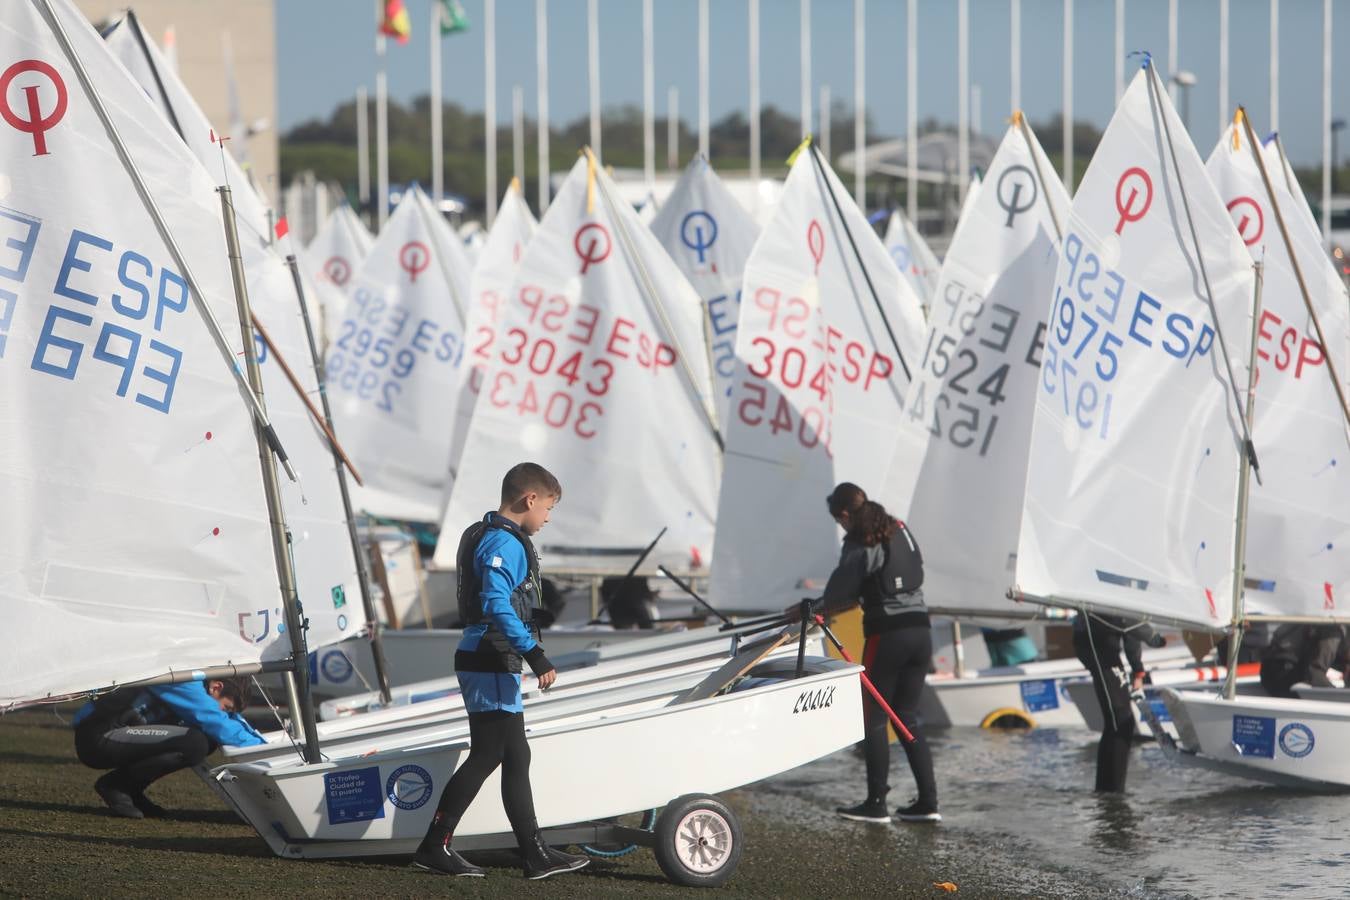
(1185, 80)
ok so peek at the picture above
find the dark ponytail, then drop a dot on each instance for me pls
(870, 524)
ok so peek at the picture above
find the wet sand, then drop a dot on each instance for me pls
(58, 840)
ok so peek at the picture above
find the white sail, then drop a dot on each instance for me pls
(709, 235)
(325, 566)
(331, 259)
(393, 365)
(598, 373)
(1277, 165)
(912, 255)
(135, 538)
(1133, 475)
(820, 385)
(1299, 516)
(967, 430)
(489, 285)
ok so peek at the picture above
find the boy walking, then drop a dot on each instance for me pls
(498, 591)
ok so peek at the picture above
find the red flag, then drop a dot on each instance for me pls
(395, 23)
(283, 228)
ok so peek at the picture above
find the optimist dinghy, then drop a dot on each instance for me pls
(1300, 514)
(383, 803)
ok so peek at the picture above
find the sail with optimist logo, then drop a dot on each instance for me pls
(136, 539)
(913, 257)
(598, 371)
(710, 235)
(829, 336)
(1133, 477)
(336, 252)
(393, 365)
(966, 430)
(1299, 515)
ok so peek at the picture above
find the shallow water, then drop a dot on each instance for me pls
(1026, 796)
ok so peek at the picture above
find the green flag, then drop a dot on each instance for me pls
(453, 17)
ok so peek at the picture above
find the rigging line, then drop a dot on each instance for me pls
(654, 300)
(1247, 444)
(276, 713)
(1298, 270)
(848, 232)
(166, 235)
(139, 35)
(1040, 176)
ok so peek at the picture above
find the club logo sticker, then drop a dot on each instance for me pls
(1296, 740)
(409, 787)
(337, 668)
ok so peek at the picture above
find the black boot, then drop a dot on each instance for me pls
(118, 795)
(436, 855)
(540, 860)
(149, 808)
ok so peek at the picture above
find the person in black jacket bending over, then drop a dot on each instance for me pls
(1301, 654)
(880, 566)
(1098, 641)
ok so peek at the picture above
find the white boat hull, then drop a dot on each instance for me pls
(1298, 743)
(1039, 691)
(1083, 696)
(382, 804)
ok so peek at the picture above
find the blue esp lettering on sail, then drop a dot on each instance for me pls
(107, 314)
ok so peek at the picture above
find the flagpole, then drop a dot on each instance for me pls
(860, 103)
(912, 111)
(437, 160)
(805, 9)
(1274, 65)
(1067, 79)
(648, 97)
(1173, 51)
(363, 148)
(673, 128)
(963, 95)
(826, 126)
(381, 128)
(541, 65)
(1223, 63)
(593, 69)
(753, 55)
(1014, 55)
(1119, 59)
(1326, 122)
(518, 133)
(490, 108)
(704, 125)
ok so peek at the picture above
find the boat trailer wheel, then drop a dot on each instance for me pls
(698, 841)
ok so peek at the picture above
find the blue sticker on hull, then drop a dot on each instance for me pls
(1254, 736)
(354, 796)
(1038, 696)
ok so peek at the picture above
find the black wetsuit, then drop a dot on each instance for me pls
(898, 653)
(1301, 654)
(1099, 650)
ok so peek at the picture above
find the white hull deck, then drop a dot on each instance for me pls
(1037, 691)
(582, 771)
(1293, 743)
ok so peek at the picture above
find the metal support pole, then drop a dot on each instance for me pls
(1240, 525)
(362, 574)
(303, 713)
(958, 650)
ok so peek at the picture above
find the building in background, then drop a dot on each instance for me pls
(205, 32)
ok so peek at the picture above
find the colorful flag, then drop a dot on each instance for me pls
(453, 17)
(396, 24)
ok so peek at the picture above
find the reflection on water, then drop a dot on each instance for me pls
(1177, 832)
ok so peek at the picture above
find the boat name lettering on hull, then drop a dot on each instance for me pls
(807, 701)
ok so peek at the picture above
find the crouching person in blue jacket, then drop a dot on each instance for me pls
(143, 734)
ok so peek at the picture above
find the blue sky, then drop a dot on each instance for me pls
(326, 50)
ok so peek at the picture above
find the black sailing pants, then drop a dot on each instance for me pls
(140, 754)
(497, 738)
(897, 663)
(1111, 684)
